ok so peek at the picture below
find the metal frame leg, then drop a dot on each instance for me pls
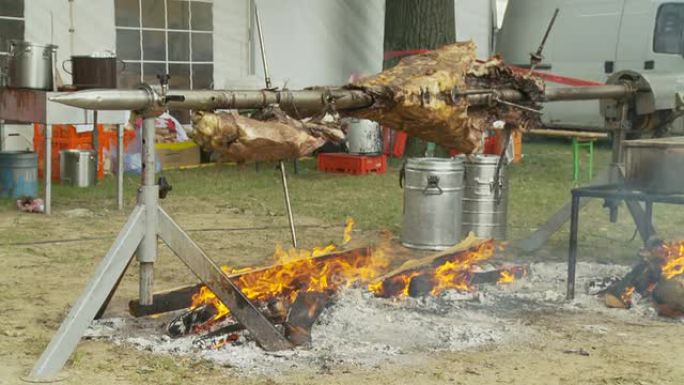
(92, 298)
(648, 216)
(572, 248)
(47, 173)
(211, 274)
(119, 166)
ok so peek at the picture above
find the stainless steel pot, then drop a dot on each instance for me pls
(31, 65)
(78, 167)
(364, 136)
(433, 195)
(485, 202)
(655, 165)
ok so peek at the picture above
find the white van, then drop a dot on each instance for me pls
(591, 40)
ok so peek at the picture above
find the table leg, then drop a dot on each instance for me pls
(572, 249)
(119, 166)
(649, 220)
(48, 168)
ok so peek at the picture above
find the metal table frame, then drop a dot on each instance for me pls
(615, 193)
(33, 106)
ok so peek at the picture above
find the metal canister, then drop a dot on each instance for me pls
(30, 65)
(78, 167)
(18, 174)
(485, 202)
(94, 72)
(433, 195)
(364, 137)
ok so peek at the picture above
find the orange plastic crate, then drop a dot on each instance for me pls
(65, 137)
(352, 164)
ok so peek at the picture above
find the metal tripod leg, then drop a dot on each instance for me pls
(211, 274)
(288, 205)
(92, 298)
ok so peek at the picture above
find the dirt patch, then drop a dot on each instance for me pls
(39, 282)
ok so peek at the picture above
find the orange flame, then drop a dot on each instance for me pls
(299, 271)
(672, 256)
(453, 273)
(349, 226)
(505, 278)
(626, 296)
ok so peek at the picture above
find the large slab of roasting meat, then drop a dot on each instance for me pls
(420, 95)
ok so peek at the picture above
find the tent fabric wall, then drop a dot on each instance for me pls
(309, 42)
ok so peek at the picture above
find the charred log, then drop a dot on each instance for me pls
(181, 298)
(669, 297)
(303, 315)
(640, 279)
(189, 321)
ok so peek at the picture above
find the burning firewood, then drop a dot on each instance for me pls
(454, 268)
(420, 96)
(181, 298)
(302, 315)
(641, 280)
(660, 275)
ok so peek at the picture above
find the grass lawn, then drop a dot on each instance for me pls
(539, 186)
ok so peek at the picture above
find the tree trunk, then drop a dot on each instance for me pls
(415, 25)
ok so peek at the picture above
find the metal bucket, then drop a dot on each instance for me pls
(364, 136)
(18, 174)
(30, 65)
(93, 72)
(485, 206)
(78, 167)
(433, 195)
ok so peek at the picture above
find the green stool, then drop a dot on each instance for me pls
(577, 145)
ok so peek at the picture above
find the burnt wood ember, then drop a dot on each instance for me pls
(187, 322)
(303, 315)
(420, 95)
(641, 279)
(669, 297)
(422, 285)
(181, 298)
(397, 282)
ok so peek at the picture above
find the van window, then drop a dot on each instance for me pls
(669, 29)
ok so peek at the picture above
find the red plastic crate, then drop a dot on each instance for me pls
(352, 164)
(65, 137)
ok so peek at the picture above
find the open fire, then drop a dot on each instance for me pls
(659, 275)
(294, 291)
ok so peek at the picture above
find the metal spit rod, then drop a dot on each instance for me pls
(305, 100)
(283, 172)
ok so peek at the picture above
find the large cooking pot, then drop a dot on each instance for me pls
(30, 65)
(433, 203)
(93, 71)
(364, 137)
(655, 165)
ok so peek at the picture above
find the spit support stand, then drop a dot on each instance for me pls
(148, 222)
(281, 163)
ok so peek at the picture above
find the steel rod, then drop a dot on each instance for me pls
(96, 145)
(48, 169)
(618, 91)
(572, 252)
(119, 166)
(286, 191)
(267, 77)
(149, 197)
(283, 172)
